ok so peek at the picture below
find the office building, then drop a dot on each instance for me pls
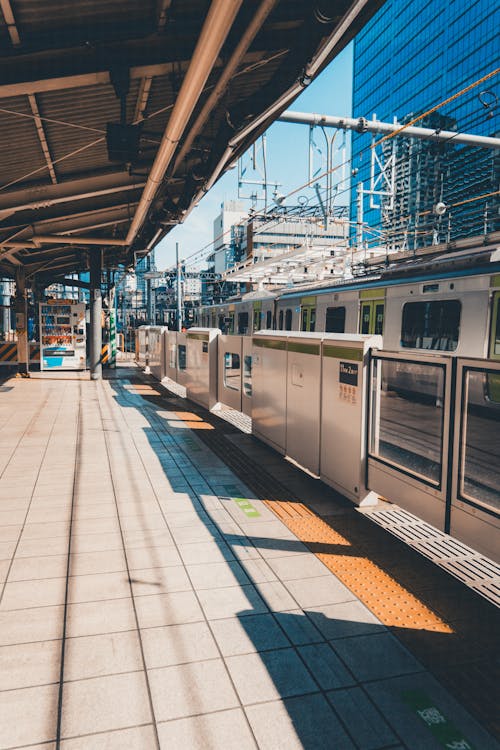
(411, 56)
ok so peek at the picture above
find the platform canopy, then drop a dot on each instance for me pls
(116, 116)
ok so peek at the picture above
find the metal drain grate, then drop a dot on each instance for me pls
(443, 547)
(473, 569)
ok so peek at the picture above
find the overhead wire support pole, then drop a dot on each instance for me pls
(179, 288)
(95, 316)
(362, 125)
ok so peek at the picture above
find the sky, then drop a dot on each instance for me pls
(287, 161)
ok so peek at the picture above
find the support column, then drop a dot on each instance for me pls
(21, 307)
(95, 315)
(4, 310)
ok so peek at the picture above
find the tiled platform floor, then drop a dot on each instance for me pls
(142, 607)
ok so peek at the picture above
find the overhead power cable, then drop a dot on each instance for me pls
(436, 107)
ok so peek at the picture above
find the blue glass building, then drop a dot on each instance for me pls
(411, 56)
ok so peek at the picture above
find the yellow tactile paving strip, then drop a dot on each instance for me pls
(389, 601)
(452, 630)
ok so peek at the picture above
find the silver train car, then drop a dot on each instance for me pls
(450, 304)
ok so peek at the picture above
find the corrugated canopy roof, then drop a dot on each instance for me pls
(193, 80)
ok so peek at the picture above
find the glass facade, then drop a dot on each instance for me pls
(411, 56)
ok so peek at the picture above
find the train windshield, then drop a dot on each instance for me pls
(431, 325)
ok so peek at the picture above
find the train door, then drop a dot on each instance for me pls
(371, 314)
(308, 314)
(492, 379)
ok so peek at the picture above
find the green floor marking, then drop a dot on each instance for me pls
(246, 506)
(242, 502)
(443, 730)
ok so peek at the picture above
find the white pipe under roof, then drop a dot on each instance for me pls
(218, 23)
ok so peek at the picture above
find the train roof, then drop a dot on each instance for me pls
(462, 263)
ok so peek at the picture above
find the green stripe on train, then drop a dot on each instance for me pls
(343, 352)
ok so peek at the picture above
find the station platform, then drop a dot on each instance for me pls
(167, 581)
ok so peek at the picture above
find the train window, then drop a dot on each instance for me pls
(256, 320)
(232, 371)
(243, 322)
(181, 356)
(480, 448)
(280, 321)
(247, 375)
(407, 416)
(269, 320)
(335, 320)
(288, 320)
(221, 322)
(312, 319)
(431, 325)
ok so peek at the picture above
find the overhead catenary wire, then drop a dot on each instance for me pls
(436, 107)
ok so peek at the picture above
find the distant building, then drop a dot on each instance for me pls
(228, 233)
(144, 266)
(410, 56)
(191, 287)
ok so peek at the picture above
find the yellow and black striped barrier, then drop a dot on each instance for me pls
(105, 352)
(8, 353)
(34, 353)
(107, 358)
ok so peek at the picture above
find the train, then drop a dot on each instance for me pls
(447, 304)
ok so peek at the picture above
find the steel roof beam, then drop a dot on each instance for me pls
(79, 189)
(42, 137)
(74, 222)
(57, 239)
(11, 22)
(57, 70)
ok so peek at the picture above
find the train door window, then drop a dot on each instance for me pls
(221, 322)
(288, 320)
(269, 320)
(214, 320)
(280, 320)
(365, 317)
(312, 319)
(494, 352)
(304, 319)
(232, 371)
(256, 320)
(230, 323)
(378, 328)
(247, 375)
(431, 325)
(181, 356)
(335, 320)
(243, 323)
